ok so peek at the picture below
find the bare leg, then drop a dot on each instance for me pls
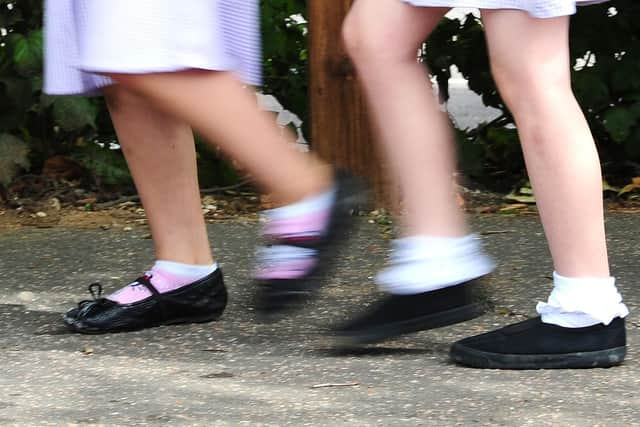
(225, 113)
(151, 140)
(414, 133)
(161, 156)
(530, 62)
(581, 325)
(434, 268)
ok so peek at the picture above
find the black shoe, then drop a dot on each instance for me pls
(197, 302)
(535, 345)
(396, 315)
(276, 296)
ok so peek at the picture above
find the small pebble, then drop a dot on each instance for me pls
(26, 296)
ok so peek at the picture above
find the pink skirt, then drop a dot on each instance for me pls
(84, 38)
(537, 8)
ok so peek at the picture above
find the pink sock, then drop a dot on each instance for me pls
(301, 227)
(303, 221)
(163, 280)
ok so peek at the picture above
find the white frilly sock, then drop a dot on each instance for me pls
(582, 302)
(423, 264)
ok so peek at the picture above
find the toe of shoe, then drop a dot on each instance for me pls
(72, 324)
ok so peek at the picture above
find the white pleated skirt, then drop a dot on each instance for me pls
(537, 8)
(84, 38)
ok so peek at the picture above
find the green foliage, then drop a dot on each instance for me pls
(50, 125)
(108, 166)
(27, 52)
(285, 54)
(608, 89)
(47, 125)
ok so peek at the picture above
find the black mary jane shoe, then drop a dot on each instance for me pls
(201, 301)
(274, 297)
(532, 344)
(396, 315)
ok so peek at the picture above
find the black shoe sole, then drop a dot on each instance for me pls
(590, 359)
(423, 323)
(71, 326)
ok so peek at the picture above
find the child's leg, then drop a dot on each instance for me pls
(530, 62)
(414, 133)
(434, 266)
(218, 106)
(581, 325)
(184, 271)
(150, 141)
(317, 203)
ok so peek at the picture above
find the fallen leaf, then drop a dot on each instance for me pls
(55, 203)
(489, 232)
(635, 184)
(485, 209)
(215, 350)
(327, 385)
(218, 375)
(514, 207)
(521, 198)
(505, 311)
(607, 187)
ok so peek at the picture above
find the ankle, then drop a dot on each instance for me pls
(190, 258)
(319, 180)
(582, 301)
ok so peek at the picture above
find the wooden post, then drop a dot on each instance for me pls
(340, 131)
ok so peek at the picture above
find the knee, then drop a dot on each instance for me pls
(353, 40)
(527, 87)
(120, 98)
(368, 43)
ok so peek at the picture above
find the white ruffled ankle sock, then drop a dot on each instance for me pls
(582, 302)
(423, 264)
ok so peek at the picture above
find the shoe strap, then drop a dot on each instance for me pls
(155, 294)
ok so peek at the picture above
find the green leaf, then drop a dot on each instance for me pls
(27, 52)
(590, 88)
(608, 187)
(46, 101)
(73, 113)
(107, 165)
(619, 122)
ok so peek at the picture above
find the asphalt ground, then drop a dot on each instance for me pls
(239, 372)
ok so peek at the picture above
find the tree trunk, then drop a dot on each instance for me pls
(340, 131)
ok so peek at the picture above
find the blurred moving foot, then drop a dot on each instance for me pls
(396, 315)
(304, 239)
